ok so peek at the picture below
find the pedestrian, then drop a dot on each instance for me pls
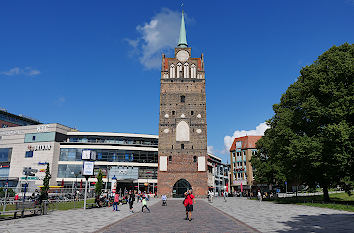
(144, 205)
(188, 203)
(116, 201)
(131, 200)
(164, 200)
(259, 194)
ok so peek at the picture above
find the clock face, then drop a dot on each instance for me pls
(182, 55)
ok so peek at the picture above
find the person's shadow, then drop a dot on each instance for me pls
(321, 223)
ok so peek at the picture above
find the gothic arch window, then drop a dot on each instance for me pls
(182, 131)
(179, 70)
(193, 71)
(186, 70)
(172, 71)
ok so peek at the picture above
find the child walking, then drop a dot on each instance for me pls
(144, 205)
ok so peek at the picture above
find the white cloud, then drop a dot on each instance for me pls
(259, 131)
(19, 71)
(158, 35)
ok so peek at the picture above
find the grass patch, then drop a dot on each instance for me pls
(69, 205)
(338, 201)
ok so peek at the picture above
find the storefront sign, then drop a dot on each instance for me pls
(39, 147)
(42, 128)
(42, 170)
(30, 178)
(42, 163)
(11, 132)
(122, 173)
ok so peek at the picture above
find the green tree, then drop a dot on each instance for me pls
(99, 183)
(310, 139)
(45, 188)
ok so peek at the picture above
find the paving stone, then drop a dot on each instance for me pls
(271, 217)
(170, 218)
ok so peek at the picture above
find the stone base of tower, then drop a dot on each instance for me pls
(198, 181)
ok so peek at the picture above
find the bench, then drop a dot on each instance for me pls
(91, 205)
(23, 207)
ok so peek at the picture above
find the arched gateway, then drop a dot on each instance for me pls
(180, 187)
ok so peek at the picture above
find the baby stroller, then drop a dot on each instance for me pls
(164, 200)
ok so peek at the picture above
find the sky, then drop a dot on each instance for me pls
(95, 65)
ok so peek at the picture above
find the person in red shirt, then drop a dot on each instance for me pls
(188, 203)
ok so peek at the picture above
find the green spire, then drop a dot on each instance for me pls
(182, 42)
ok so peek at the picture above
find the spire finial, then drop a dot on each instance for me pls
(182, 42)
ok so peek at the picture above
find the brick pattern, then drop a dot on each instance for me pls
(183, 164)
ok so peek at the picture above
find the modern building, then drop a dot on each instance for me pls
(31, 146)
(11, 120)
(241, 152)
(182, 123)
(218, 175)
(130, 159)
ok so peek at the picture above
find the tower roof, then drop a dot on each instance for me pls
(182, 41)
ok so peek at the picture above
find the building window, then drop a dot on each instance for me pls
(170, 158)
(183, 99)
(195, 159)
(192, 113)
(173, 113)
(172, 146)
(192, 147)
(29, 154)
(33, 138)
(182, 146)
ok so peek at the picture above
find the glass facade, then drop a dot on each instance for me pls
(5, 154)
(114, 140)
(74, 154)
(69, 171)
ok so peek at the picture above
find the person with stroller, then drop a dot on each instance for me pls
(164, 200)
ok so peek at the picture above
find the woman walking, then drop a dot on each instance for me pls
(115, 203)
(188, 203)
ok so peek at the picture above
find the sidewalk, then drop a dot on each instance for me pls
(270, 217)
(76, 220)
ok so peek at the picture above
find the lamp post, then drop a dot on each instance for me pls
(148, 172)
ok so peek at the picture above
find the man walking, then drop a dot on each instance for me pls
(131, 200)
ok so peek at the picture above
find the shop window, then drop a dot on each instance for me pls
(29, 154)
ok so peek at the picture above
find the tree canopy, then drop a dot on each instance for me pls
(310, 139)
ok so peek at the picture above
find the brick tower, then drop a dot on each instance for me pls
(182, 124)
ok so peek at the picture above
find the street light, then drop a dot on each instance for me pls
(148, 172)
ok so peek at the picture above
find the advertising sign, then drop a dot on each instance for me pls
(86, 155)
(122, 173)
(88, 168)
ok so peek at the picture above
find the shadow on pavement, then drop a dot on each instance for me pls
(321, 223)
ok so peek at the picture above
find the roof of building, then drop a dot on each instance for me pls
(26, 119)
(110, 134)
(182, 41)
(248, 142)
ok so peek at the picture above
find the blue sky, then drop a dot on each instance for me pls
(95, 65)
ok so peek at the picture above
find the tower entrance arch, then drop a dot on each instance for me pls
(180, 187)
